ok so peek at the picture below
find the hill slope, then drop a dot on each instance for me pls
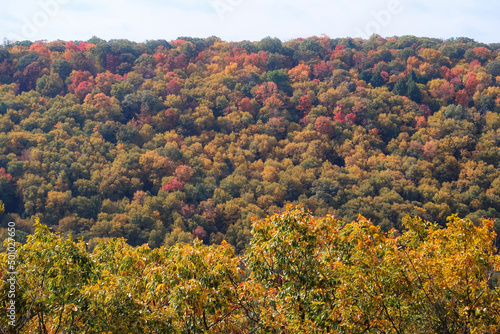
(162, 141)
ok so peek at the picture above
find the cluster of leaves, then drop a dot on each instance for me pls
(300, 274)
(161, 142)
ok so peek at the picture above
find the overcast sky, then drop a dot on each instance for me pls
(236, 20)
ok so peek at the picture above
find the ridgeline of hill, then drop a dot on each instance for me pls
(162, 142)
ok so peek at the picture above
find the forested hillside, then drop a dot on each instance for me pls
(161, 142)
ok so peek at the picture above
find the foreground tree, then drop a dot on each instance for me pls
(52, 272)
(301, 274)
(323, 275)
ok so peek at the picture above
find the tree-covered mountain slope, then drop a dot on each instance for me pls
(161, 142)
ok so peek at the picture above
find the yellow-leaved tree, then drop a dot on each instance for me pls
(300, 274)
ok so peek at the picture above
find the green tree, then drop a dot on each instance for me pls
(50, 85)
(400, 88)
(413, 91)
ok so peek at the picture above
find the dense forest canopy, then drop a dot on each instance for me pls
(164, 142)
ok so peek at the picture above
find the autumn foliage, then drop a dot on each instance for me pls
(300, 274)
(163, 141)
